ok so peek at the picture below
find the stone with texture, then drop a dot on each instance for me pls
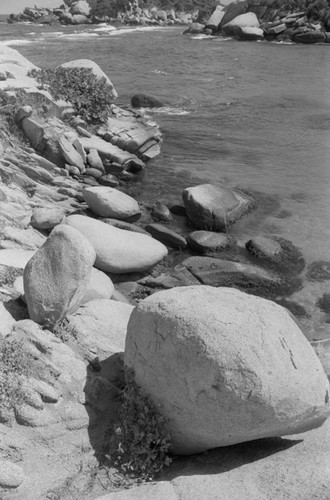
(95, 161)
(6, 320)
(100, 286)
(167, 236)
(71, 155)
(81, 7)
(118, 251)
(109, 202)
(15, 257)
(244, 20)
(101, 324)
(46, 218)
(205, 241)
(225, 367)
(57, 276)
(11, 475)
(213, 207)
(215, 18)
(162, 490)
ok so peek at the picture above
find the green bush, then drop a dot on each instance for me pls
(13, 364)
(90, 95)
(141, 441)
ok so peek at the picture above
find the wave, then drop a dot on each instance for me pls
(165, 110)
(105, 28)
(16, 42)
(78, 36)
(122, 31)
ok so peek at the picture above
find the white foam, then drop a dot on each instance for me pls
(105, 28)
(122, 31)
(165, 110)
(16, 42)
(78, 36)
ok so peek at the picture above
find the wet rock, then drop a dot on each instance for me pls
(118, 251)
(57, 276)
(205, 241)
(225, 367)
(317, 271)
(167, 236)
(178, 210)
(11, 475)
(108, 180)
(109, 202)
(324, 303)
(145, 101)
(215, 208)
(46, 218)
(161, 213)
(278, 251)
(309, 37)
(249, 33)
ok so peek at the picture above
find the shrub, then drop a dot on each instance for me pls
(90, 95)
(141, 441)
(13, 364)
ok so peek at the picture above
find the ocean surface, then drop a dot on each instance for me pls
(250, 115)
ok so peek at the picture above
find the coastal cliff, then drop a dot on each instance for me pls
(79, 255)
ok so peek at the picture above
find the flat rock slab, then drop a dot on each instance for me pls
(118, 251)
(204, 241)
(15, 257)
(167, 236)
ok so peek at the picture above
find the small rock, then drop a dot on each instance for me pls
(127, 226)
(204, 241)
(23, 112)
(167, 236)
(46, 218)
(160, 212)
(11, 475)
(71, 155)
(178, 210)
(108, 180)
(95, 161)
(93, 172)
(278, 251)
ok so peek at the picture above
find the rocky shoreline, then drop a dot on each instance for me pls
(92, 282)
(246, 20)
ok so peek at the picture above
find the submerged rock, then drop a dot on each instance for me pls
(277, 251)
(205, 241)
(318, 271)
(224, 367)
(213, 207)
(166, 236)
(145, 101)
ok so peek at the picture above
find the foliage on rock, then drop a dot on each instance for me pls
(90, 95)
(140, 444)
(13, 365)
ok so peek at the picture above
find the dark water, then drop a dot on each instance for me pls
(253, 115)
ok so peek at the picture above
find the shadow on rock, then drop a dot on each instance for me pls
(227, 458)
(103, 395)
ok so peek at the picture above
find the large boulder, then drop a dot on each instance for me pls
(81, 7)
(109, 202)
(117, 250)
(224, 367)
(244, 20)
(233, 10)
(213, 207)
(215, 18)
(56, 277)
(100, 286)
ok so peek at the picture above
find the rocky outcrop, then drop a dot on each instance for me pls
(225, 367)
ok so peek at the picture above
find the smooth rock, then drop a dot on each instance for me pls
(118, 251)
(101, 324)
(46, 218)
(109, 202)
(57, 276)
(95, 161)
(93, 172)
(145, 101)
(215, 18)
(213, 207)
(15, 257)
(120, 224)
(250, 33)
(277, 251)
(224, 367)
(232, 11)
(205, 241)
(6, 321)
(167, 236)
(100, 286)
(71, 155)
(160, 212)
(11, 475)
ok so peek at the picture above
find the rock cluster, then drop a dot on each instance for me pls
(264, 19)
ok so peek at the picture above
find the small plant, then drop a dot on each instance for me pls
(13, 365)
(140, 441)
(90, 95)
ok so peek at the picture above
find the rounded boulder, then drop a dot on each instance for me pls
(224, 367)
(109, 202)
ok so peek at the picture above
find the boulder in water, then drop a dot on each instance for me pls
(145, 101)
(244, 20)
(224, 367)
